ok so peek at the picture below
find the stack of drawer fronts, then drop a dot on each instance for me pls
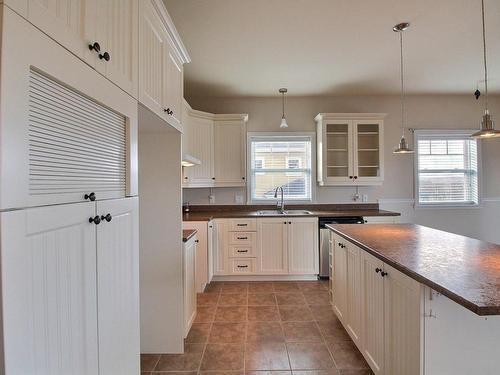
(241, 246)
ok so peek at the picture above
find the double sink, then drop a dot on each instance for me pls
(284, 213)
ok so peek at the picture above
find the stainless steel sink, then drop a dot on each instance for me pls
(286, 213)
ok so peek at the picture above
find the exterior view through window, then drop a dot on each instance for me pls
(280, 161)
(447, 169)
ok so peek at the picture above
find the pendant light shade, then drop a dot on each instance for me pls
(403, 147)
(283, 124)
(487, 125)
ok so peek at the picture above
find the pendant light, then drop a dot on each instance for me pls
(403, 145)
(283, 124)
(487, 127)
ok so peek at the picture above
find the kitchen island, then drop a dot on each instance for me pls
(417, 300)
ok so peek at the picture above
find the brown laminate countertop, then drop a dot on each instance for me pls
(464, 269)
(199, 213)
(187, 234)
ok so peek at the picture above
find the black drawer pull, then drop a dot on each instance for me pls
(95, 46)
(242, 238)
(105, 56)
(106, 217)
(246, 266)
(91, 197)
(242, 251)
(383, 273)
(241, 225)
(96, 220)
(377, 270)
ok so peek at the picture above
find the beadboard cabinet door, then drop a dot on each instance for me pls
(340, 280)
(116, 25)
(354, 323)
(303, 251)
(118, 286)
(189, 278)
(372, 306)
(173, 87)
(229, 153)
(49, 302)
(272, 245)
(69, 22)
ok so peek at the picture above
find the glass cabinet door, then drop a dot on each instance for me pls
(367, 146)
(338, 154)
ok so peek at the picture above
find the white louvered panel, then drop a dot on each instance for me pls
(75, 144)
(49, 302)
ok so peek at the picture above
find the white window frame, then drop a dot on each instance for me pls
(281, 136)
(446, 134)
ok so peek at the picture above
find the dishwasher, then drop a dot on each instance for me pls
(324, 238)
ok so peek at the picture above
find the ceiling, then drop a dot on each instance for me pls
(334, 47)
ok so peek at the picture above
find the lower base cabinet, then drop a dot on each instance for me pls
(189, 277)
(266, 246)
(380, 307)
(70, 289)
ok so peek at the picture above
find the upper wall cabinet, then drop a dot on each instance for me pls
(350, 148)
(162, 56)
(218, 141)
(104, 33)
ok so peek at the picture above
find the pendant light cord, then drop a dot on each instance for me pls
(484, 56)
(283, 104)
(402, 84)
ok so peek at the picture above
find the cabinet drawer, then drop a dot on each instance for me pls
(236, 251)
(243, 225)
(242, 238)
(244, 265)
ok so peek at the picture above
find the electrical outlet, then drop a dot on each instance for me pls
(211, 199)
(365, 198)
(238, 198)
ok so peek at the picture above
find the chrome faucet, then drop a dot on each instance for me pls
(281, 202)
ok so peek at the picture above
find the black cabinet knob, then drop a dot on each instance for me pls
(197, 241)
(213, 178)
(105, 56)
(243, 178)
(289, 222)
(355, 177)
(284, 222)
(377, 270)
(106, 217)
(167, 110)
(90, 196)
(351, 177)
(95, 47)
(96, 220)
(383, 274)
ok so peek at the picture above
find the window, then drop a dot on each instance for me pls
(277, 160)
(447, 169)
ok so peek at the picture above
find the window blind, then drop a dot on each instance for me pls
(447, 170)
(280, 161)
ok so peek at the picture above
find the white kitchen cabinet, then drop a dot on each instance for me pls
(372, 305)
(220, 251)
(58, 108)
(118, 286)
(161, 59)
(116, 30)
(203, 251)
(350, 149)
(340, 279)
(49, 291)
(354, 311)
(219, 142)
(189, 277)
(229, 151)
(272, 244)
(303, 257)
(198, 141)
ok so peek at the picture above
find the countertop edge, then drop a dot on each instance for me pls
(187, 234)
(478, 310)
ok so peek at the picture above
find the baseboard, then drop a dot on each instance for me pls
(265, 278)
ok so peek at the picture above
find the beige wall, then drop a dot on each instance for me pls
(426, 112)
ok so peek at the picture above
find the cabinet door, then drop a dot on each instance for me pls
(189, 284)
(337, 152)
(69, 22)
(202, 251)
(118, 286)
(48, 260)
(172, 87)
(272, 241)
(368, 151)
(210, 250)
(353, 320)
(303, 251)
(117, 32)
(372, 312)
(152, 46)
(198, 141)
(229, 150)
(340, 279)
(402, 296)
(220, 251)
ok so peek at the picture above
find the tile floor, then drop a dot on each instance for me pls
(257, 327)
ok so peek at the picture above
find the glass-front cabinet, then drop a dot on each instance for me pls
(350, 148)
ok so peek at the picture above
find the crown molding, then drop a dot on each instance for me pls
(214, 117)
(174, 36)
(350, 116)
